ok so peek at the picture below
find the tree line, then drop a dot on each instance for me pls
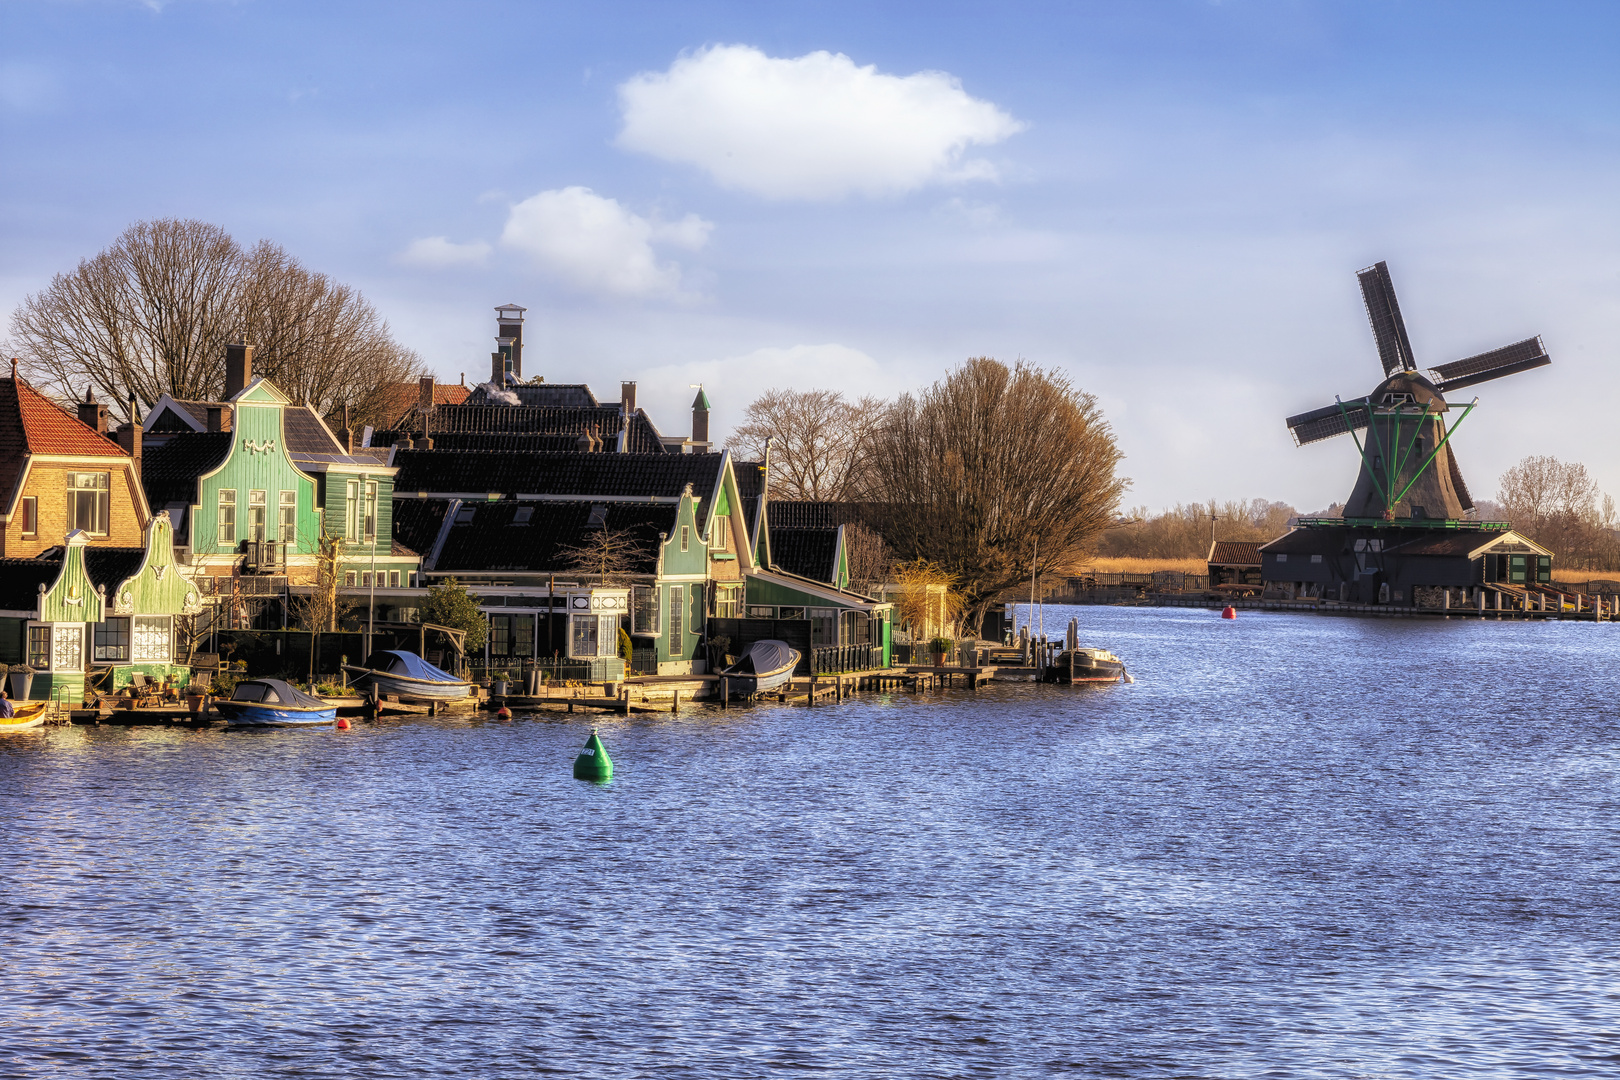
(152, 313)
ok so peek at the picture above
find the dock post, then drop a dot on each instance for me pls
(626, 693)
(675, 704)
(811, 701)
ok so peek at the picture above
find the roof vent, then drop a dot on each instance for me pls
(464, 516)
(523, 516)
(598, 519)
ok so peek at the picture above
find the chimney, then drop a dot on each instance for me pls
(627, 398)
(216, 418)
(346, 436)
(509, 333)
(129, 434)
(424, 395)
(497, 368)
(93, 413)
(585, 444)
(238, 368)
(700, 422)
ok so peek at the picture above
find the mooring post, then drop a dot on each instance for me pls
(725, 692)
(675, 704)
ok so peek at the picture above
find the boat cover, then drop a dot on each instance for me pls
(399, 662)
(767, 656)
(274, 692)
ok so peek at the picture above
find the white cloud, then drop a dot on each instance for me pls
(813, 127)
(596, 244)
(437, 251)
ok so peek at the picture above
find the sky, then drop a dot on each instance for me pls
(1167, 202)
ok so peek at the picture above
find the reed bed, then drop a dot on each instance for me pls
(1128, 565)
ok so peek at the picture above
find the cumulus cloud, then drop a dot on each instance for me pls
(595, 244)
(812, 127)
(438, 251)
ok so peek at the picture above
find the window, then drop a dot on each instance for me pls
(351, 508)
(111, 641)
(1282, 558)
(644, 610)
(1316, 558)
(790, 613)
(699, 609)
(584, 638)
(289, 517)
(256, 515)
(1544, 568)
(30, 515)
(1516, 569)
(727, 601)
(393, 579)
(757, 612)
(39, 647)
(677, 618)
(607, 635)
(67, 647)
(371, 510)
(348, 578)
(500, 635)
(365, 579)
(823, 626)
(87, 495)
(227, 516)
(686, 536)
(522, 635)
(152, 640)
(722, 533)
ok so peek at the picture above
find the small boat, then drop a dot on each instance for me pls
(766, 666)
(273, 703)
(394, 671)
(1090, 665)
(28, 715)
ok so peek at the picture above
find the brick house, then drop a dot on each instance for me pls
(60, 473)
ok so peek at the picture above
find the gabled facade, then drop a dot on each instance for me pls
(59, 474)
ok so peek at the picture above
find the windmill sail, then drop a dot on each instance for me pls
(1319, 424)
(1384, 312)
(1509, 359)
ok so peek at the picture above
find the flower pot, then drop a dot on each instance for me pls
(194, 703)
(22, 684)
(497, 688)
(939, 659)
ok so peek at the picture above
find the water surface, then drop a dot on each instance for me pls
(1299, 846)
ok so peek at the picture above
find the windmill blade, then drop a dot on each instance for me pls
(1319, 424)
(1384, 312)
(1458, 485)
(1509, 359)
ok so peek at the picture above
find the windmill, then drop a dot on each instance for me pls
(1407, 468)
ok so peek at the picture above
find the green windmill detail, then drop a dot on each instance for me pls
(1408, 470)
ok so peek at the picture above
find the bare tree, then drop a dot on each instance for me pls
(609, 555)
(991, 470)
(1560, 506)
(152, 314)
(820, 442)
(870, 560)
(1183, 532)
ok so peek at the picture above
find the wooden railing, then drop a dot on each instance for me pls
(833, 659)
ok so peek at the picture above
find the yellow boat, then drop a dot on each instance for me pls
(29, 715)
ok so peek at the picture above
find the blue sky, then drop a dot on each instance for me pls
(1168, 201)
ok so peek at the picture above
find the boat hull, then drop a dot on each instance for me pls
(1087, 668)
(252, 714)
(27, 718)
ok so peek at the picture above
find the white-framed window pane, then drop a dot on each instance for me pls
(584, 639)
(289, 517)
(607, 636)
(352, 511)
(393, 579)
(153, 639)
(227, 515)
(67, 647)
(371, 510)
(39, 647)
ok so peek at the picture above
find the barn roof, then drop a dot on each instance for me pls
(586, 475)
(1234, 553)
(809, 553)
(169, 471)
(516, 536)
(539, 395)
(1306, 541)
(489, 418)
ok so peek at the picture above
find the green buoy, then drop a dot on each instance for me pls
(593, 762)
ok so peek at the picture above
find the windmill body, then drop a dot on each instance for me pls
(1409, 486)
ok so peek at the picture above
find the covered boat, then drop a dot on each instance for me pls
(273, 703)
(30, 714)
(1090, 665)
(766, 666)
(395, 671)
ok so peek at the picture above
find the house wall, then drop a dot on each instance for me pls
(687, 571)
(258, 462)
(47, 482)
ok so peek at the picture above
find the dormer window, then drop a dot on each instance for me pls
(87, 501)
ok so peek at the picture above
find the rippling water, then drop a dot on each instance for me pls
(1297, 847)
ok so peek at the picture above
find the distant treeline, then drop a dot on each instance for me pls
(1183, 532)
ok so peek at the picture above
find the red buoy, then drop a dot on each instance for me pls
(343, 723)
(1229, 613)
(503, 713)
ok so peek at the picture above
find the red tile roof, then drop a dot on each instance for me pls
(31, 423)
(401, 398)
(1234, 553)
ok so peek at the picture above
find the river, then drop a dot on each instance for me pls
(1297, 846)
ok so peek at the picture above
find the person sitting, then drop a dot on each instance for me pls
(5, 704)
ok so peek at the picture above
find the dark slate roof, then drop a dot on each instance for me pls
(110, 567)
(750, 485)
(20, 580)
(416, 523)
(305, 434)
(473, 440)
(493, 540)
(169, 472)
(606, 475)
(493, 419)
(1309, 541)
(544, 395)
(809, 553)
(1451, 544)
(1235, 553)
(198, 411)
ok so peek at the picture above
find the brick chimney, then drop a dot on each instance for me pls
(627, 398)
(129, 434)
(216, 418)
(93, 413)
(585, 444)
(238, 368)
(497, 369)
(424, 394)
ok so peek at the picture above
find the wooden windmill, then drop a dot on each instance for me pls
(1407, 468)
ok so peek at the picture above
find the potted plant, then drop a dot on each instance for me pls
(939, 647)
(497, 684)
(195, 695)
(22, 682)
